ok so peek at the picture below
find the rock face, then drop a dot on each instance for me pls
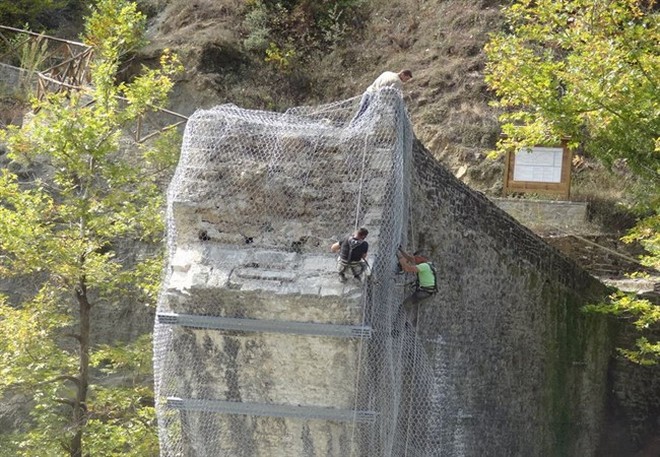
(261, 351)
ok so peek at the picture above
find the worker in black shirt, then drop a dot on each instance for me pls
(352, 254)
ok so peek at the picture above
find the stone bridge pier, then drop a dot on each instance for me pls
(260, 351)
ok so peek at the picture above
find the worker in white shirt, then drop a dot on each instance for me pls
(386, 79)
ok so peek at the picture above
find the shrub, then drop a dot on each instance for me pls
(302, 27)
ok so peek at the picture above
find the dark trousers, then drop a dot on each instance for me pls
(408, 309)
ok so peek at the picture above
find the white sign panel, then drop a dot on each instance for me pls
(538, 164)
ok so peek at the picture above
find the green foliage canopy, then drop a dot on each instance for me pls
(36, 13)
(584, 70)
(589, 71)
(63, 228)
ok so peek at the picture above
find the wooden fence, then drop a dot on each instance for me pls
(60, 65)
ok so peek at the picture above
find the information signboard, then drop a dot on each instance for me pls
(541, 169)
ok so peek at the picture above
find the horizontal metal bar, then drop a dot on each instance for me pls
(262, 325)
(271, 410)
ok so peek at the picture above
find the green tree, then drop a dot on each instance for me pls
(588, 71)
(63, 228)
(36, 13)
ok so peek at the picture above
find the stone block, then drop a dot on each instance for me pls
(546, 214)
(267, 275)
(383, 166)
(184, 258)
(332, 290)
(306, 288)
(179, 281)
(283, 259)
(218, 278)
(320, 262)
(311, 365)
(288, 289)
(199, 275)
(373, 217)
(332, 286)
(224, 255)
(254, 285)
(374, 233)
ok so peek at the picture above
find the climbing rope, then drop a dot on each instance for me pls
(414, 370)
(358, 207)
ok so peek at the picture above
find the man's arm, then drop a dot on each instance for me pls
(366, 250)
(335, 247)
(408, 257)
(407, 265)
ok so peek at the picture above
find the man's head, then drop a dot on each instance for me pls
(405, 75)
(420, 257)
(361, 233)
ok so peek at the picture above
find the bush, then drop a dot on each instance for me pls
(302, 27)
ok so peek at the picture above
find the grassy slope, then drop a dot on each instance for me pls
(440, 41)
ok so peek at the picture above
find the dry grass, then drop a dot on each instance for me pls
(448, 96)
(440, 41)
(611, 194)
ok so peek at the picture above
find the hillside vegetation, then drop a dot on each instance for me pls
(270, 55)
(240, 52)
(441, 42)
(274, 55)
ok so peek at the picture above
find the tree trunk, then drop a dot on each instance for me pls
(79, 418)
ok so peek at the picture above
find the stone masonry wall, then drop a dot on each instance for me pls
(506, 334)
(253, 210)
(502, 361)
(546, 215)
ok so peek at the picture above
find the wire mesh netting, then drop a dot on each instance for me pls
(260, 350)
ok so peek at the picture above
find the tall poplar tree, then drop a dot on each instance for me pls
(62, 229)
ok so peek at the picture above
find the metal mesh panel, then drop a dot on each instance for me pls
(259, 349)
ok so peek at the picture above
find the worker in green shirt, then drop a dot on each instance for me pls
(427, 283)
